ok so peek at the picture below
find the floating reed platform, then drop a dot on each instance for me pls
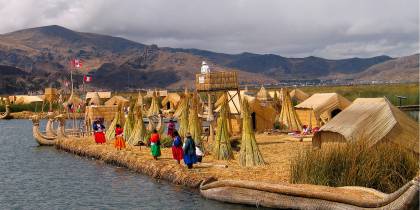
(259, 186)
(138, 161)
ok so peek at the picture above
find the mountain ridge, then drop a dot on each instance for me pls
(45, 52)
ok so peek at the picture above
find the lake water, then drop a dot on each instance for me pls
(33, 177)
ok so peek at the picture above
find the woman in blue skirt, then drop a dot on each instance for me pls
(189, 151)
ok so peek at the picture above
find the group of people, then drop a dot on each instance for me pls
(185, 150)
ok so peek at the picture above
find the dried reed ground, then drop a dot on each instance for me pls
(277, 150)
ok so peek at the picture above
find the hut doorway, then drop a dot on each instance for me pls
(168, 105)
(335, 112)
(254, 121)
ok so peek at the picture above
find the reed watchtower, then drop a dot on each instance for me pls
(212, 83)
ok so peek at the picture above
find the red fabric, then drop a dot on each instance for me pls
(154, 138)
(118, 131)
(100, 137)
(119, 142)
(177, 153)
(171, 129)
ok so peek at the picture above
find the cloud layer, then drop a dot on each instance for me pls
(326, 28)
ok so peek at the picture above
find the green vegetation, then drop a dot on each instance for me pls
(385, 167)
(390, 91)
(33, 107)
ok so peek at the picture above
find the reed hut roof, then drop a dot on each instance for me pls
(298, 95)
(115, 100)
(173, 98)
(288, 117)
(322, 102)
(263, 94)
(271, 93)
(94, 99)
(233, 102)
(74, 99)
(375, 120)
(26, 99)
(102, 95)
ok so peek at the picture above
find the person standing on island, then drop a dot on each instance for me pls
(171, 128)
(119, 142)
(155, 144)
(98, 129)
(189, 151)
(177, 147)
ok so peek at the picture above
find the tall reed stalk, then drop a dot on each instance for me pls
(385, 167)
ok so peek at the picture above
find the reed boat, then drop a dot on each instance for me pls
(40, 137)
(5, 114)
(306, 196)
(49, 128)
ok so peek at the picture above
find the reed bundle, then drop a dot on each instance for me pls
(250, 154)
(222, 149)
(154, 106)
(110, 132)
(182, 114)
(288, 118)
(194, 125)
(129, 123)
(139, 130)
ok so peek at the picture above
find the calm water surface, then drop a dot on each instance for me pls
(33, 177)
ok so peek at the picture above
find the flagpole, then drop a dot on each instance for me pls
(71, 80)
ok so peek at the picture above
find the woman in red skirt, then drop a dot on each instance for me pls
(177, 151)
(98, 129)
(119, 140)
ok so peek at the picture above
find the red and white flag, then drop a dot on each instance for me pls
(76, 63)
(87, 78)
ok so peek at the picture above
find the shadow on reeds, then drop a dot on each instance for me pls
(385, 167)
(270, 142)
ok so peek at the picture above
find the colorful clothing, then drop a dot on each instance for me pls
(99, 134)
(177, 150)
(171, 129)
(189, 152)
(155, 145)
(119, 142)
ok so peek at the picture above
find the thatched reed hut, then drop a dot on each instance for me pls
(170, 102)
(117, 100)
(263, 115)
(298, 95)
(373, 120)
(320, 108)
(263, 95)
(97, 98)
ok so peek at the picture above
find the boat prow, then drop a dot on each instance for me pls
(43, 140)
(6, 114)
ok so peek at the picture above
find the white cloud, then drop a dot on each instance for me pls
(328, 28)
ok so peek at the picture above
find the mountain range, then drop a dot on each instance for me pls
(34, 58)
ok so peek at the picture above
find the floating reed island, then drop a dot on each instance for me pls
(259, 148)
(265, 185)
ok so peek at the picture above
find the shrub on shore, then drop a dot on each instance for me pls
(385, 167)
